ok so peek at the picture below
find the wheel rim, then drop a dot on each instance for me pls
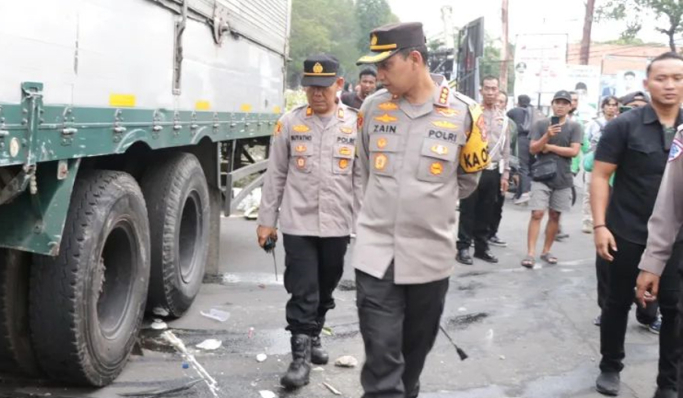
(190, 227)
(115, 278)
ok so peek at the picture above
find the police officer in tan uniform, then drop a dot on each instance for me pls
(662, 229)
(312, 187)
(478, 211)
(410, 144)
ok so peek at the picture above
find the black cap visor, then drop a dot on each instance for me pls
(318, 81)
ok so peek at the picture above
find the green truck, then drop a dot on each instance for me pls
(124, 125)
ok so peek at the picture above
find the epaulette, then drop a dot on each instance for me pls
(467, 100)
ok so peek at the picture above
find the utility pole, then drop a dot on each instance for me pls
(504, 50)
(587, 26)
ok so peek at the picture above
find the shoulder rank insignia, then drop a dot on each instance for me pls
(443, 98)
(309, 111)
(359, 121)
(340, 113)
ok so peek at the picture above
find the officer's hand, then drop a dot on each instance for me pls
(604, 242)
(547, 148)
(647, 288)
(504, 185)
(262, 233)
(554, 129)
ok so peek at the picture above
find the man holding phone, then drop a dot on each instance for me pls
(554, 142)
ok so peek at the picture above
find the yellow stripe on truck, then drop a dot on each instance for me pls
(122, 100)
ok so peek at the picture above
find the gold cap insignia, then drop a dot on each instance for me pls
(373, 40)
(317, 68)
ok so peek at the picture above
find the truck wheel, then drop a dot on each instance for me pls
(178, 197)
(16, 351)
(87, 304)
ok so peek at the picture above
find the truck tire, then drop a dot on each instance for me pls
(16, 351)
(179, 216)
(87, 304)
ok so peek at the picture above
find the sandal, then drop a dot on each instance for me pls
(549, 258)
(528, 262)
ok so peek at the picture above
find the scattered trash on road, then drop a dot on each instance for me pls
(346, 361)
(162, 392)
(318, 369)
(328, 331)
(267, 394)
(159, 311)
(180, 347)
(158, 324)
(210, 344)
(261, 357)
(251, 332)
(332, 389)
(217, 315)
(502, 357)
(347, 285)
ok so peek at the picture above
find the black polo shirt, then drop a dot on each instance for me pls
(352, 100)
(637, 143)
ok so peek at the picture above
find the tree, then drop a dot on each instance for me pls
(322, 26)
(371, 14)
(491, 62)
(587, 27)
(669, 12)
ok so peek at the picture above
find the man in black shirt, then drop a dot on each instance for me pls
(636, 146)
(368, 85)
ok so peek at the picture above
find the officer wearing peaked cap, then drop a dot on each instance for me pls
(312, 187)
(413, 139)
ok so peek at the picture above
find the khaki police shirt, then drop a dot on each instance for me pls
(312, 184)
(412, 180)
(494, 120)
(667, 217)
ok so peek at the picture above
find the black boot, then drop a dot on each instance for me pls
(318, 354)
(299, 370)
(463, 257)
(608, 383)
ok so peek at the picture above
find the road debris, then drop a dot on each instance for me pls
(346, 361)
(261, 357)
(267, 394)
(318, 369)
(217, 315)
(328, 331)
(159, 311)
(180, 346)
(210, 344)
(332, 389)
(162, 392)
(158, 324)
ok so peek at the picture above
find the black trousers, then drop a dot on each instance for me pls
(314, 267)
(622, 275)
(399, 324)
(524, 156)
(497, 215)
(477, 212)
(645, 315)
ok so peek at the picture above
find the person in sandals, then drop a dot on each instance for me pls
(554, 145)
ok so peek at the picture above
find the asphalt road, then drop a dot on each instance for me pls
(528, 333)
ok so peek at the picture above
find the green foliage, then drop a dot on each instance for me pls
(337, 27)
(669, 14)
